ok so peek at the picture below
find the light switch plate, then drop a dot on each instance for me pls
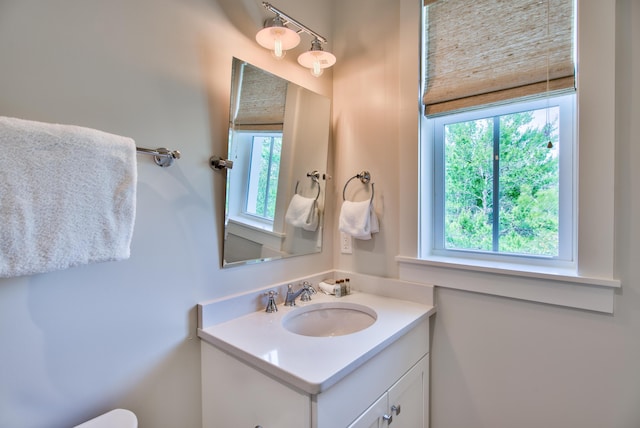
(345, 243)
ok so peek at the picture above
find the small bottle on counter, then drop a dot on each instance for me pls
(337, 289)
(341, 288)
(347, 284)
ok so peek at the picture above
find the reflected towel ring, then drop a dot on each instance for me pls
(317, 195)
(365, 178)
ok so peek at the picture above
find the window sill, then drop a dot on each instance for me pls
(557, 287)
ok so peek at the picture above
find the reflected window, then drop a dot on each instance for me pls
(263, 173)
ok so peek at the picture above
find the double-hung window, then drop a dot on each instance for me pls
(500, 118)
(504, 180)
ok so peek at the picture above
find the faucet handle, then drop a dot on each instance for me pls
(307, 291)
(307, 285)
(271, 303)
(290, 300)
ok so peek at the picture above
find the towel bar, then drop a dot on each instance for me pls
(163, 157)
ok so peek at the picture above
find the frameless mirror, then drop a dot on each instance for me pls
(278, 142)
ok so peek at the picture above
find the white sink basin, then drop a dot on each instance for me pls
(329, 319)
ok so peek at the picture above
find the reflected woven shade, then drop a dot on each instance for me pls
(261, 100)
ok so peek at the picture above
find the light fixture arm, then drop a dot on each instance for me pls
(290, 20)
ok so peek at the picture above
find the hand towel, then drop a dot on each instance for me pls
(302, 212)
(67, 196)
(358, 219)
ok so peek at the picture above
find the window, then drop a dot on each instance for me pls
(590, 283)
(263, 176)
(499, 105)
(504, 181)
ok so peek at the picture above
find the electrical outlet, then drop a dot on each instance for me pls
(345, 243)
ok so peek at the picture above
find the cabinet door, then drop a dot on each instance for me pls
(404, 405)
(235, 395)
(408, 398)
(372, 417)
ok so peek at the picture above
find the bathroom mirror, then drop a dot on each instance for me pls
(278, 142)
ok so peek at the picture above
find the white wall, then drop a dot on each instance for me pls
(496, 362)
(76, 343)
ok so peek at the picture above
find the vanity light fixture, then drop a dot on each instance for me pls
(279, 38)
(316, 59)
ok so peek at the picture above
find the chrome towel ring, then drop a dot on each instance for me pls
(315, 177)
(364, 177)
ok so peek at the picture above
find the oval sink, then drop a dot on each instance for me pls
(329, 319)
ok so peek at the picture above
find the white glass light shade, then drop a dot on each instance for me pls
(278, 39)
(316, 61)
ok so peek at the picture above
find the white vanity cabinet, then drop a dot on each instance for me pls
(238, 394)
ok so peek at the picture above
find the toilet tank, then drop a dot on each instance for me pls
(118, 418)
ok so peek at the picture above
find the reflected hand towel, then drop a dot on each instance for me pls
(303, 212)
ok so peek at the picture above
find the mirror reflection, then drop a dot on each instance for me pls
(278, 141)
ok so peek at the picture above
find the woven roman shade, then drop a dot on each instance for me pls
(260, 101)
(489, 51)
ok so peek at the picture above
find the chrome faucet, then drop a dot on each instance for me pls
(305, 294)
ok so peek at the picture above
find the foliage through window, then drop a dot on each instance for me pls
(500, 176)
(263, 176)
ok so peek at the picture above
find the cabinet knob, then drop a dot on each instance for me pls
(395, 409)
(387, 418)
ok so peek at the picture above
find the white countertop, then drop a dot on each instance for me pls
(313, 364)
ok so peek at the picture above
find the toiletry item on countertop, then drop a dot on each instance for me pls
(339, 287)
(327, 286)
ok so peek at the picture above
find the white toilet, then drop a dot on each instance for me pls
(118, 418)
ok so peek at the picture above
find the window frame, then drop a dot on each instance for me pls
(433, 244)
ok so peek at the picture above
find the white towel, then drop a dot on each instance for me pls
(67, 196)
(358, 219)
(303, 212)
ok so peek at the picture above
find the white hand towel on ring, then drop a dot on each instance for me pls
(358, 219)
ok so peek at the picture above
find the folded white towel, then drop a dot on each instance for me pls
(67, 196)
(358, 219)
(302, 212)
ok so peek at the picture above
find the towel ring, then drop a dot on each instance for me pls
(364, 177)
(317, 195)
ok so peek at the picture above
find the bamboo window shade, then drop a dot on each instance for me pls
(489, 51)
(260, 100)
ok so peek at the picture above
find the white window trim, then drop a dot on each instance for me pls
(592, 285)
(434, 245)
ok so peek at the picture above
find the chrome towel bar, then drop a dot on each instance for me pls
(163, 157)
